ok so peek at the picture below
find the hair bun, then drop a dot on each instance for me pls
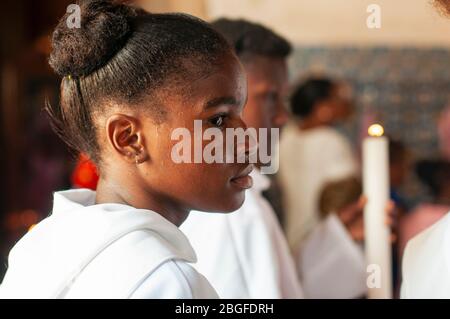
(103, 32)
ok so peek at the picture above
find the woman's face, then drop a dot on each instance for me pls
(217, 101)
(340, 102)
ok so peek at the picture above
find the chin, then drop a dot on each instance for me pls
(228, 204)
(235, 203)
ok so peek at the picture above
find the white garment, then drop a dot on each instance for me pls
(330, 264)
(244, 254)
(308, 160)
(88, 250)
(426, 263)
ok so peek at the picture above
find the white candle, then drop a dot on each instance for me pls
(377, 233)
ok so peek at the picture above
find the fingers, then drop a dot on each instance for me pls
(356, 230)
(354, 221)
(391, 214)
(362, 201)
(390, 207)
(348, 214)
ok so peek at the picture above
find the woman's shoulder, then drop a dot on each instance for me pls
(140, 265)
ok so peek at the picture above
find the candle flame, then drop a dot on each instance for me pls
(376, 130)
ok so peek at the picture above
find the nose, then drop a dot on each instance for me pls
(247, 145)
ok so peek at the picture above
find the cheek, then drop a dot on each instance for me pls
(207, 187)
(198, 186)
(256, 115)
(217, 191)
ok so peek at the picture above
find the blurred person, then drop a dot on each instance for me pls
(426, 256)
(331, 262)
(313, 153)
(245, 254)
(435, 174)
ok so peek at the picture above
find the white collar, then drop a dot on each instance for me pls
(124, 218)
(260, 182)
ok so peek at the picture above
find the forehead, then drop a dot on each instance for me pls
(267, 71)
(225, 79)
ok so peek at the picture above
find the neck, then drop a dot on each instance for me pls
(129, 193)
(309, 123)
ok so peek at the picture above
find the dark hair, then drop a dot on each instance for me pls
(433, 173)
(249, 39)
(119, 55)
(308, 94)
(397, 151)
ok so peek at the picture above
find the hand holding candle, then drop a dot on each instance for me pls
(376, 189)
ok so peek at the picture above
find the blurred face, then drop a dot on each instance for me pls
(267, 90)
(338, 107)
(217, 100)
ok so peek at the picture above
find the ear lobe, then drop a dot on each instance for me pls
(124, 135)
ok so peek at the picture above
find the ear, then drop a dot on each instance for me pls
(124, 134)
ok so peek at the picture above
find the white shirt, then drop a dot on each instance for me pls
(426, 263)
(308, 160)
(88, 250)
(330, 263)
(244, 254)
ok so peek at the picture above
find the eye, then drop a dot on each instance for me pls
(273, 96)
(218, 120)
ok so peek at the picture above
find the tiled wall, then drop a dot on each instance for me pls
(404, 88)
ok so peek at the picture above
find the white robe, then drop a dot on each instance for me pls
(244, 254)
(84, 250)
(329, 263)
(426, 263)
(308, 160)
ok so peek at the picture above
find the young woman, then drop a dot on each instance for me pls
(245, 254)
(129, 78)
(313, 154)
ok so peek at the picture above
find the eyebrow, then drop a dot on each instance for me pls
(227, 100)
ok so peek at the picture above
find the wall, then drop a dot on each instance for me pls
(343, 22)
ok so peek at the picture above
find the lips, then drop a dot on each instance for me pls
(243, 180)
